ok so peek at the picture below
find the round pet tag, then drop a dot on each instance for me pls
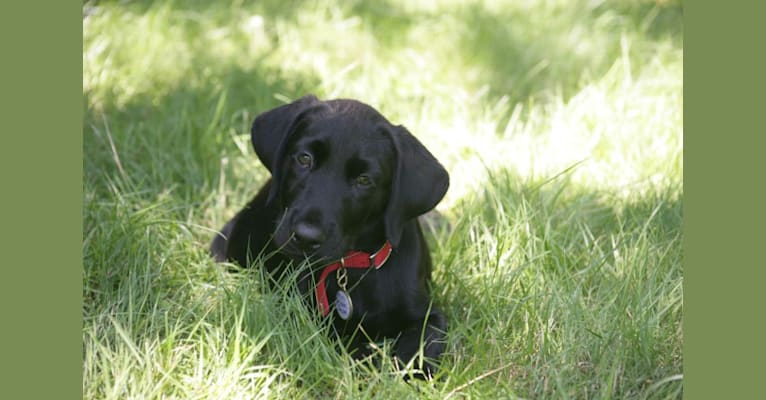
(343, 304)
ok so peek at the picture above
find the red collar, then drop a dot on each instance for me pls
(353, 259)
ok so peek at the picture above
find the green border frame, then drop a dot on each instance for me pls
(41, 164)
(723, 218)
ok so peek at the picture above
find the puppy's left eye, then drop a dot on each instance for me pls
(363, 180)
(304, 160)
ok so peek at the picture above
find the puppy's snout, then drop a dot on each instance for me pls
(308, 236)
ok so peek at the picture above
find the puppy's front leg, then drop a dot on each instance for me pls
(432, 329)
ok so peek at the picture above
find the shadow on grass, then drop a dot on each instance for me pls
(526, 58)
(527, 54)
(519, 52)
(218, 11)
(179, 139)
(566, 284)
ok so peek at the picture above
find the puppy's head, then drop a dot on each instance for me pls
(344, 177)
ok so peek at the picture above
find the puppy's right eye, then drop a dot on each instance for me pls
(304, 160)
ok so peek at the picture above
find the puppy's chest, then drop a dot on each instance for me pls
(372, 292)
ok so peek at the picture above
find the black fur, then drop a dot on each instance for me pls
(344, 178)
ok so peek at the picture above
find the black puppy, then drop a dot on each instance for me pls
(346, 189)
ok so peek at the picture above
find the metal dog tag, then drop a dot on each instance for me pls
(343, 304)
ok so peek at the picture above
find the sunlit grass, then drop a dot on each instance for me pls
(559, 260)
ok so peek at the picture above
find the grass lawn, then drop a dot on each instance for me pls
(559, 261)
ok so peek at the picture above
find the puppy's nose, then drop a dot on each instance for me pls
(308, 236)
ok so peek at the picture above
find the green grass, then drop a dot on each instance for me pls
(559, 262)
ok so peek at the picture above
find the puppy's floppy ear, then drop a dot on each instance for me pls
(419, 183)
(271, 129)
(270, 132)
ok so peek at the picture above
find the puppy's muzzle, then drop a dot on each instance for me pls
(308, 236)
